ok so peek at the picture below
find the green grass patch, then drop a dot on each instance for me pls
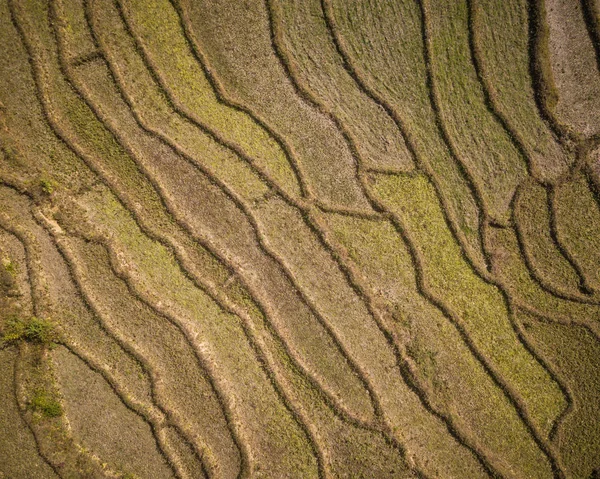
(31, 329)
(478, 306)
(44, 403)
(47, 185)
(10, 268)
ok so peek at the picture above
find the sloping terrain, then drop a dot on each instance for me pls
(299, 239)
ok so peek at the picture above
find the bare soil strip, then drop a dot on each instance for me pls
(573, 61)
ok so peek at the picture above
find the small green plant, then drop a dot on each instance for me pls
(47, 185)
(43, 402)
(10, 268)
(32, 329)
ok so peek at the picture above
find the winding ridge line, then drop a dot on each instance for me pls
(327, 10)
(221, 96)
(256, 350)
(276, 388)
(120, 272)
(237, 311)
(155, 422)
(515, 305)
(512, 397)
(554, 233)
(566, 389)
(330, 252)
(354, 279)
(521, 413)
(145, 364)
(406, 371)
(593, 179)
(508, 393)
(421, 164)
(488, 92)
(240, 204)
(155, 427)
(175, 106)
(517, 403)
(270, 327)
(302, 93)
(63, 139)
(433, 98)
(402, 364)
(541, 72)
(555, 377)
(232, 267)
(39, 436)
(528, 259)
(422, 286)
(15, 369)
(29, 248)
(34, 434)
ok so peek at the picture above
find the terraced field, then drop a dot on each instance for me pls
(299, 239)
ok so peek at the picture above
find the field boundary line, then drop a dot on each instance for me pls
(153, 376)
(528, 259)
(30, 244)
(176, 107)
(489, 92)
(15, 377)
(48, 117)
(240, 204)
(400, 361)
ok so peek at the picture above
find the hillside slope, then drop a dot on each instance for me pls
(300, 239)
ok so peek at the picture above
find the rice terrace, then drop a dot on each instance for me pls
(299, 239)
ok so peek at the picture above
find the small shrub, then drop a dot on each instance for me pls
(10, 268)
(47, 186)
(45, 404)
(33, 329)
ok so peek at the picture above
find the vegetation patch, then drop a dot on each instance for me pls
(32, 329)
(44, 403)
